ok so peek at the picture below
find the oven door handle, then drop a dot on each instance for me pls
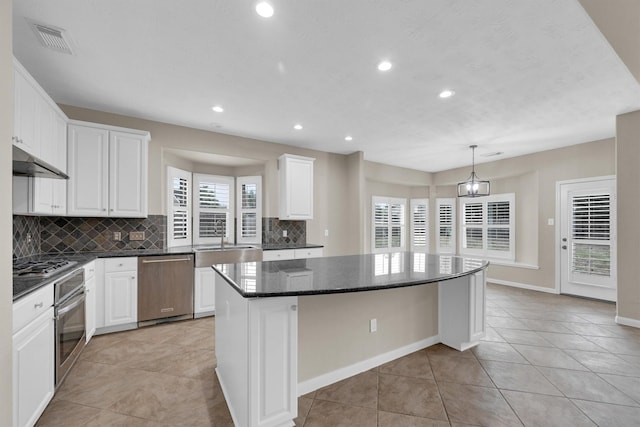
(73, 303)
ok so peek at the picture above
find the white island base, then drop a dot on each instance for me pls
(257, 346)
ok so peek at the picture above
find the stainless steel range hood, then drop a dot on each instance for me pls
(24, 164)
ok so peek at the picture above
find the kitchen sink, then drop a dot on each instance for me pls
(209, 255)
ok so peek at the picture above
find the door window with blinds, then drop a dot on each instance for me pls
(446, 226)
(591, 235)
(488, 226)
(179, 207)
(419, 225)
(388, 224)
(213, 213)
(249, 193)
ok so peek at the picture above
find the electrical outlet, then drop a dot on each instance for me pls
(373, 325)
(117, 236)
(136, 235)
(284, 233)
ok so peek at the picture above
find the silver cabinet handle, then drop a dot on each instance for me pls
(154, 261)
(294, 308)
(133, 277)
(38, 305)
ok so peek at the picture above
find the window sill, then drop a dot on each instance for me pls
(504, 263)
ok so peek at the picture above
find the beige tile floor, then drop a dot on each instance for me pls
(547, 360)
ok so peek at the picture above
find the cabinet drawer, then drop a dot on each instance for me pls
(120, 264)
(31, 306)
(278, 255)
(89, 270)
(308, 253)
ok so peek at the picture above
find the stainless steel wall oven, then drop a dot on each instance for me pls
(69, 305)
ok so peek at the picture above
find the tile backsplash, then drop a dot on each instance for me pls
(26, 236)
(68, 234)
(272, 229)
(34, 235)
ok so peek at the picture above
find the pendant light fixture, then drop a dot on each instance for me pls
(473, 186)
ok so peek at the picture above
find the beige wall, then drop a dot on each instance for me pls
(533, 180)
(628, 156)
(6, 227)
(326, 322)
(330, 171)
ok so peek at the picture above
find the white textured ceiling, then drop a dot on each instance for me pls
(528, 75)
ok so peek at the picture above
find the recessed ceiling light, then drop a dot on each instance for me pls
(348, 138)
(297, 126)
(385, 66)
(217, 109)
(264, 9)
(447, 93)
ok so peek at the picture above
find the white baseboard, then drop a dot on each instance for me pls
(628, 322)
(522, 286)
(348, 371)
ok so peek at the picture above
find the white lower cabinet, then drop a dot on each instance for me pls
(256, 353)
(90, 303)
(204, 293)
(284, 254)
(117, 294)
(33, 368)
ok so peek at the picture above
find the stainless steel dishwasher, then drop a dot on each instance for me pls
(165, 288)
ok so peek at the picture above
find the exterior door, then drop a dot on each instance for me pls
(588, 238)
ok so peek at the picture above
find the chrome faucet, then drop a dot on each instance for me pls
(220, 224)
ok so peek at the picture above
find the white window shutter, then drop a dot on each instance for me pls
(419, 225)
(446, 226)
(388, 224)
(488, 226)
(178, 207)
(249, 202)
(213, 209)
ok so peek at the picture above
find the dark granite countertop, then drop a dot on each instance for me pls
(24, 286)
(343, 274)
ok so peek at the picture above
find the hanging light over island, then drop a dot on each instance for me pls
(473, 186)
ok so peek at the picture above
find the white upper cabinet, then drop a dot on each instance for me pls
(25, 111)
(296, 187)
(107, 171)
(40, 128)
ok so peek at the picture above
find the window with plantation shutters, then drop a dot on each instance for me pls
(388, 224)
(213, 209)
(419, 225)
(591, 235)
(249, 203)
(446, 226)
(487, 227)
(178, 207)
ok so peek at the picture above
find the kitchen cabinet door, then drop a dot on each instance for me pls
(33, 369)
(127, 175)
(25, 112)
(120, 298)
(204, 293)
(88, 170)
(296, 187)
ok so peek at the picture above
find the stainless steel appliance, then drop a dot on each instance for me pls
(40, 268)
(24, 164)
(69, 307)
(165, 288)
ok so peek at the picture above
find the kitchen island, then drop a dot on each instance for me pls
(259, 305)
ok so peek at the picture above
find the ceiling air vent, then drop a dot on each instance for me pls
(52, 37)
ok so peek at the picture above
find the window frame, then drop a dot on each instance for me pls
(172, 241)
(413, 203)
(440, 249)
(403, 225)
(197, 210)
(484, 226)
(240, 181)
